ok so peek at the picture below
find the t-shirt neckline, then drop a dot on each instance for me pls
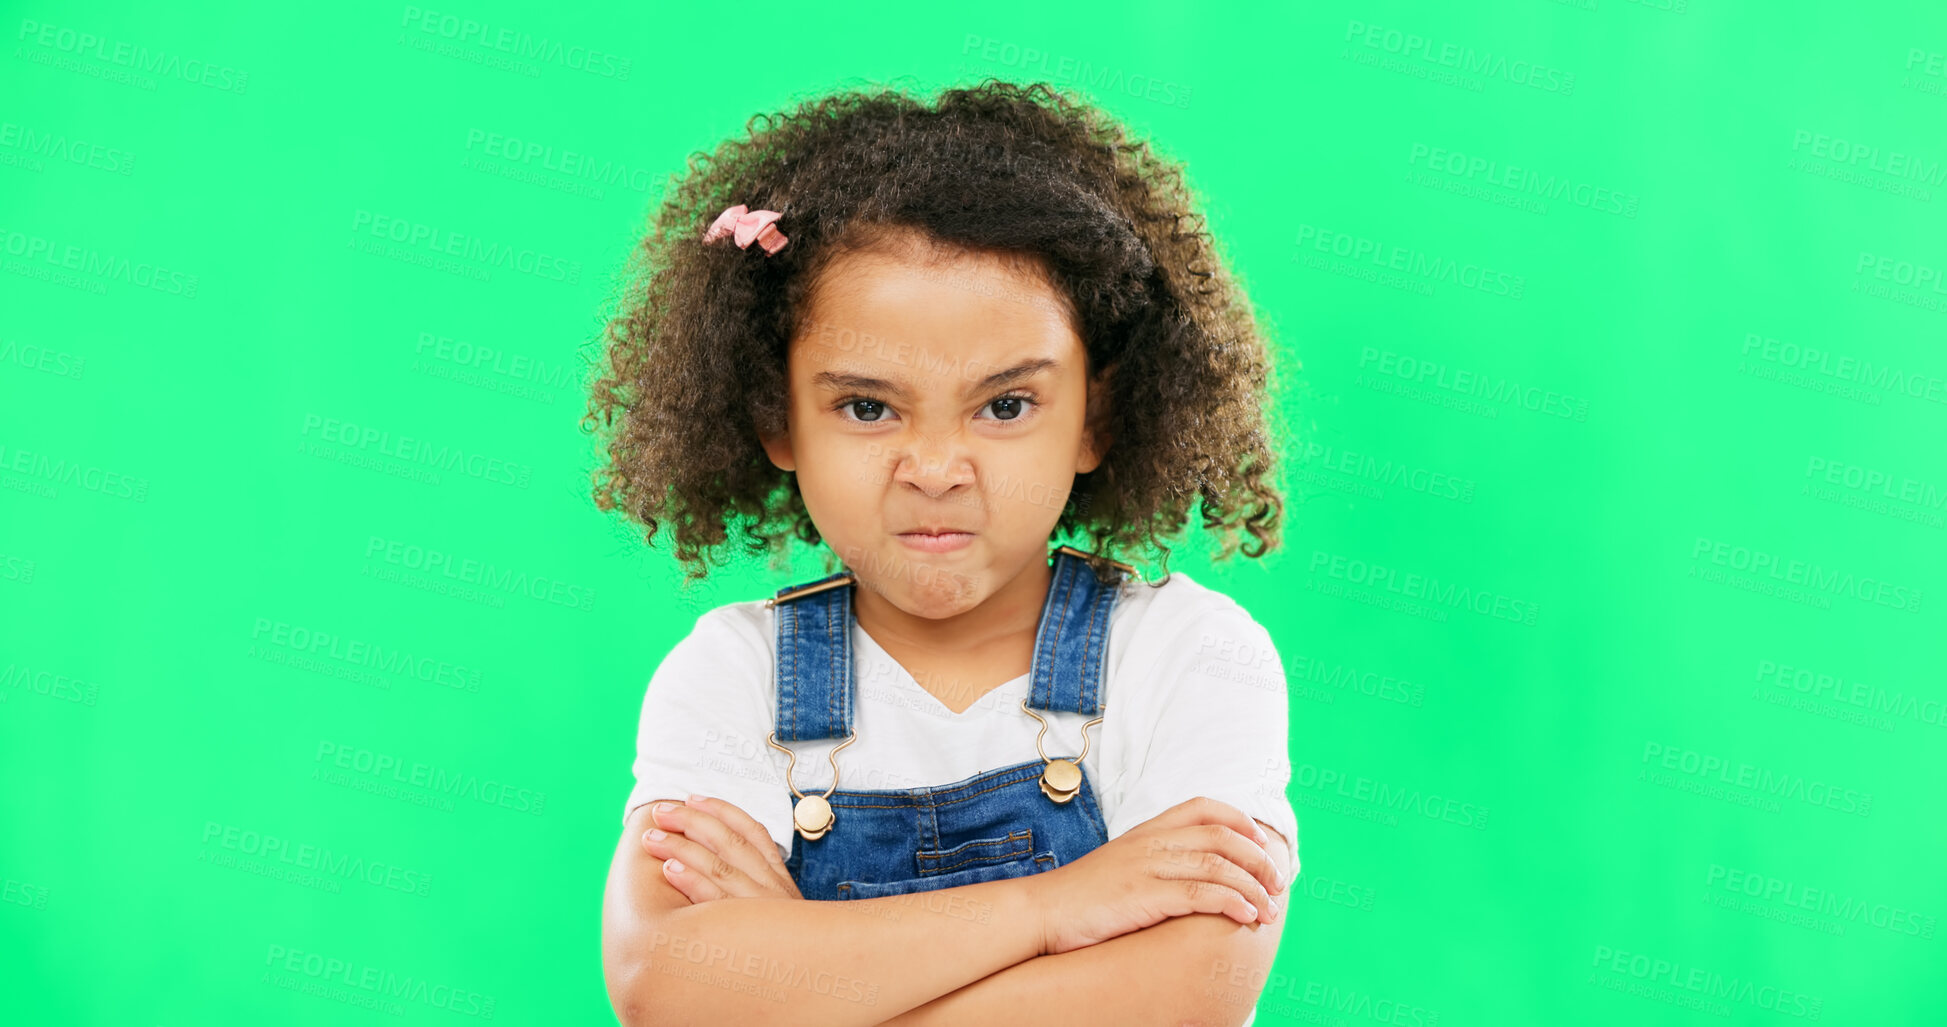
(907, 676)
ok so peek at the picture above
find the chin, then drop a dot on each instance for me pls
(928, 588)
(937, 604)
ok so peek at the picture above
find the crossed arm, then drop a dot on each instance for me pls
(1177, 972)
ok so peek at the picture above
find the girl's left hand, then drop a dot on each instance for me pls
(723, 852)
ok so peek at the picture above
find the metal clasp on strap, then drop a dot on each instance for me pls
(786, 597)
(1072, 551)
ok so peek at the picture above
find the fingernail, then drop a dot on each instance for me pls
(1261, 839)
(657, 832)
(671, 866)
(1277, 908)
(1253, 910)
(697, 798)
(664, 807)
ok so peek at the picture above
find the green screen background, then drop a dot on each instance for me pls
(1610, 344)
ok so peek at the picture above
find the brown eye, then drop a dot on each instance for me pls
(1011, 408)
(877, 408)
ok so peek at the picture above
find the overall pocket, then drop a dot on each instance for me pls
(1007, 848)
(1025, 866)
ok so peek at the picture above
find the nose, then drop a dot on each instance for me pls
(934, 463)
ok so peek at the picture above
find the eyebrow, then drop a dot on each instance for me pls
(839, 381)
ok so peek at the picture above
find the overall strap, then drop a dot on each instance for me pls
(814, 658)
(814, 648)
(1072, 644)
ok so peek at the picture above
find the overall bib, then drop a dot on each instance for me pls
(996, 824)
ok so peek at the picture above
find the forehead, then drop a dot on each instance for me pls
(932, 318)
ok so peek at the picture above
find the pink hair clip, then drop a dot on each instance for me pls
(747, 225)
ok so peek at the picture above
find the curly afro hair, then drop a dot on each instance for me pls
(696, 346)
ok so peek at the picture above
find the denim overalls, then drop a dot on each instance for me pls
(993, 825)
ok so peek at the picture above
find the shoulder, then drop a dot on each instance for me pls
(741, 626)
(1184, 650)
(728, 643)
(1184, 618)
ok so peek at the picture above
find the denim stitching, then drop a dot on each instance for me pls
(971, 853)
(789, 669)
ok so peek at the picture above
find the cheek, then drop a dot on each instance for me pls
(1049, 452)
(838, 479)
(1031, 483)
(851, 471)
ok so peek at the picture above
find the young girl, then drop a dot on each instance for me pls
(938, 337)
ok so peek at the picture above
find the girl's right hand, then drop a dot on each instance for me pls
(1199, 856)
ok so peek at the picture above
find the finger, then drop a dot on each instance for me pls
(1242, 852)
(1204, 895)
(734, 817)
(1191, 844)
(1218, 873)
(692, 869)
(1242, 864)
(700, 826)
(661, 822)
(746, 826)
(1230, 875)
(1205, 810)
(1282, 857)
(655, 814)
(1219, 855)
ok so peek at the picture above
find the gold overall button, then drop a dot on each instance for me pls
(813, 816)
(1061, 780)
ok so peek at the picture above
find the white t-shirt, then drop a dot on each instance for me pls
(1193, 695)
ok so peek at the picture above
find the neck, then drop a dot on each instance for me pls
(1011, 611)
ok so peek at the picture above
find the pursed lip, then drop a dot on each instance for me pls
(943, 541)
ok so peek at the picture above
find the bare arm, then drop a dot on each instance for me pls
(819, 964)
(1203, 969)
(1177, 972)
